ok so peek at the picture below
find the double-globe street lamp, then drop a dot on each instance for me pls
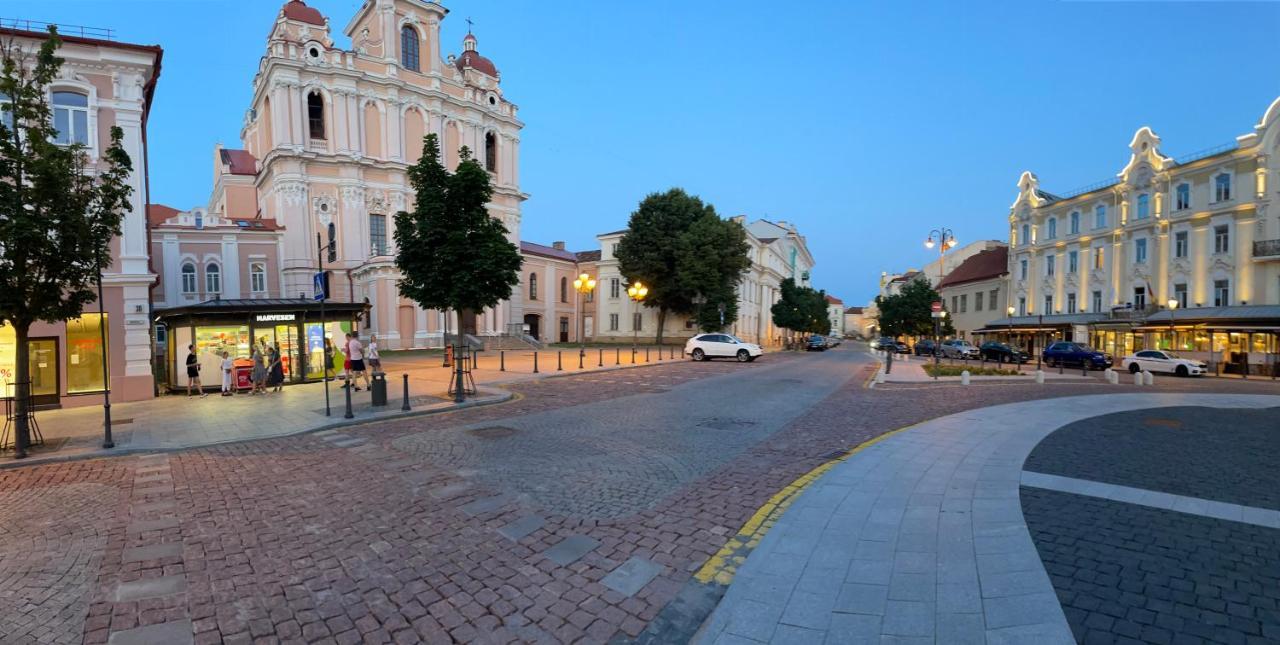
(945, 239)
(583, 285)
(1173, 304)
(636, 291)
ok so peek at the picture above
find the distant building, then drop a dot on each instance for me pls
(857, 322)
(976, 291)
(835, 314)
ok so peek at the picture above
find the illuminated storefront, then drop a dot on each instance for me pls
(64, 359)
(297, 327)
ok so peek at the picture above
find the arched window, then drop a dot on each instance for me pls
(71, 118)
(1075, 223)
(212, 279)
(1144, 206)
(258, 277)
(564, 289)
(1026, 234)
(1222, 187)
(199, 217)
(533, 286)
(1053, 228)
(188, 278)
(409, 48)
(490, 152)
(315, 115)
(333, 242)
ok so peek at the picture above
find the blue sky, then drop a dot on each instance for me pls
(867, 124)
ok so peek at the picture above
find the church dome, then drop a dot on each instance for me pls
(472, 59)
(298, 10)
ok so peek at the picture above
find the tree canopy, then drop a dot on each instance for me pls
(680, 248)
(909, 313)
(801, 309)
(59, 210)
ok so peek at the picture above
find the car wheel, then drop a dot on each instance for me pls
(1181, 371)
(699, 355)
(743, 356)
(1134, 369)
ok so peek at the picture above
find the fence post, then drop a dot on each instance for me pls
(581, 354)
(502, 360)
(405, 406)
(559, 363)
(600, 358)
(535, 361)
(617, 355)
(633, 356)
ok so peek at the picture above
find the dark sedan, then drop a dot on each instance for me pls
(1068, 353)
(1002, 353)
(925, 348)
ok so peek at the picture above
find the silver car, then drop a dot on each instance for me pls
(958, 348)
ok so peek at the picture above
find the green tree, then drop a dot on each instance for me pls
(909, 313)
(451, 253)
(678, 247)
(801, 309)
(58, 210)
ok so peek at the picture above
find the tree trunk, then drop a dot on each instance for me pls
(21, 390)
(662, 323)
(459, 394)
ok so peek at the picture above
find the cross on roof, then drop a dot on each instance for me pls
(469, 24)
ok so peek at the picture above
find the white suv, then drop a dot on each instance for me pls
(707, 346)
(959, 348)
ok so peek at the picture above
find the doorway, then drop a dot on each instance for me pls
(531, 323)
(564, 330)
(45, 376)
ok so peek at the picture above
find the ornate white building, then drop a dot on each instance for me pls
(333, 132)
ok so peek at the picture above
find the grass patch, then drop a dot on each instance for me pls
(954, 370)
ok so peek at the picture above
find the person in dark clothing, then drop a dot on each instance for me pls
(193, 372)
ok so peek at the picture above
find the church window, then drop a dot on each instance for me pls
(315, 115)
(490, 152)
(409, 48)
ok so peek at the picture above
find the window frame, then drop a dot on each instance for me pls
(1140, 250)
(1100, 216)
(533, 286)
(212, 278)
(1182, 196)
(313, 119)
(193, 274)
(1142, 206)
(1222, 292)
(376, 248)
(1181, 244)
(1221, 239)
(71, 111)
(410, 50)
(1074, 228)
(258, 277)
(1221, 188)
(1051, 229)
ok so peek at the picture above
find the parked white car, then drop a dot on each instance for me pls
(1153, 360)
(708, 346)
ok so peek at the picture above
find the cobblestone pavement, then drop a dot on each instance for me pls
(377, 534)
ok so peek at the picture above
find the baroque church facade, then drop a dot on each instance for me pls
(331, 133)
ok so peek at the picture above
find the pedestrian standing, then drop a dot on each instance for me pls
(259, 374)
(328, 358)
(193, 373)
(355, 358)
(371, 354)
(275, 377)
(227, 368)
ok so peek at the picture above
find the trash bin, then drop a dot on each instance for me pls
(379, 388)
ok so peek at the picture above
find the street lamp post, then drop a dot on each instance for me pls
(584, 284)
(1039, 331)
(636, 291)
(945, 239)
(1173, 304)
(1017, 365)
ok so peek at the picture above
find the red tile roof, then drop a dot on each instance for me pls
(298, 10)
(158, 214)
(832, 300)
(984, 265)
(853, 310)
(240, 161)
(588, 256)
(547, 251)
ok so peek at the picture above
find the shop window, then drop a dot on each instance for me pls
(71, 118)
(84, 354)
(40, 361)
(189, 283)
(212, 279)
(409, 48)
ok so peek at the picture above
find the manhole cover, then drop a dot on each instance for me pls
(493, 432)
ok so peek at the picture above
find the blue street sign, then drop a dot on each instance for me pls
(318, 282)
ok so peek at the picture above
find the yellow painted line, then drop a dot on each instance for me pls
(721, 567)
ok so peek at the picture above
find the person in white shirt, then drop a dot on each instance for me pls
(355, 352)
(228, 369)
(371, 354)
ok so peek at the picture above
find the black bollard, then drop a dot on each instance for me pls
(502, 360)
(348, 414)
(601, 358)
(646, 354)
(535, 362)
(633, 356)
(617, 355)
(582, 353)
(405, 407)
(559, 363)
(659, 353)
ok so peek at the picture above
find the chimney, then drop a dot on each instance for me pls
(559, 246)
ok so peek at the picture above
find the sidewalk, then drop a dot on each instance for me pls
(175, 421)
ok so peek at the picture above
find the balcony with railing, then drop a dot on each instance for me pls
(1266, 250)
